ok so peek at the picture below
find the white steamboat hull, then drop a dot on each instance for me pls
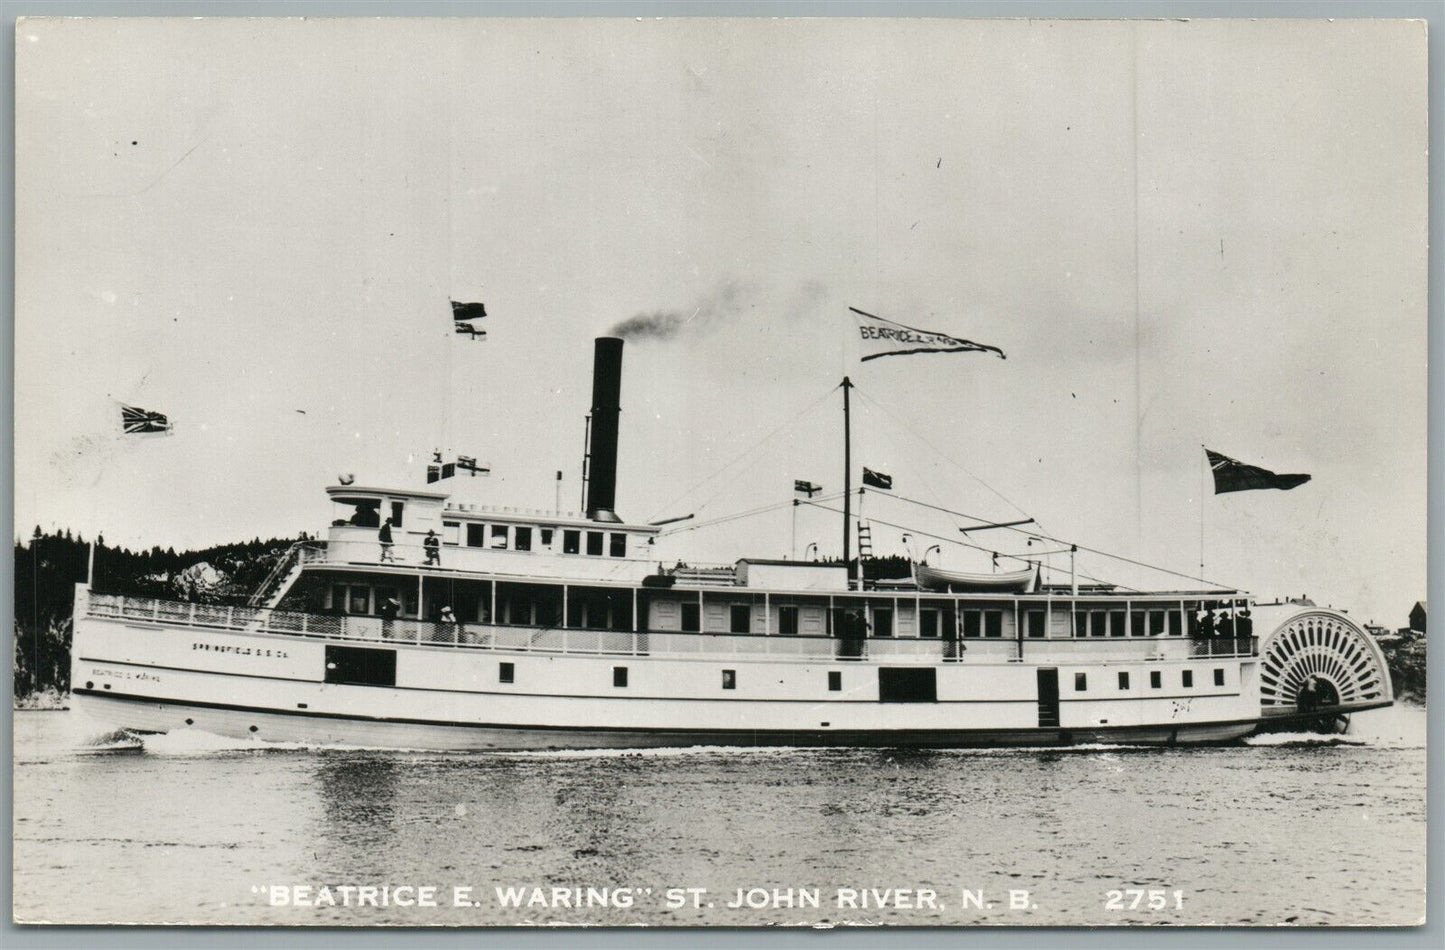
(145, 716)
(159, 677)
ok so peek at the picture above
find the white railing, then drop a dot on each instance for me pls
(571, 640)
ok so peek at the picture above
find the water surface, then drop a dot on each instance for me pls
(194, 828)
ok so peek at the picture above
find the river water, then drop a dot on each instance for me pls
(198, 829)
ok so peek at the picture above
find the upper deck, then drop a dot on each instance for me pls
(481, 539)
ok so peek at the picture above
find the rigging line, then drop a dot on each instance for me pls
(1015, 557)
(1143, 564)
(1041, 526)
(833, 496)
(1046, 537)
(916, 471)
(758, 448)
(723, 519)
(947, 458)
(746, 452)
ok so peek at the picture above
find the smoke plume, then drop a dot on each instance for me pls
(722, 305)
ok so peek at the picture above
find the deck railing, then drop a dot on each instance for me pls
(572, 640)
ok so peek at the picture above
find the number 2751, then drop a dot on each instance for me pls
(1137, 898)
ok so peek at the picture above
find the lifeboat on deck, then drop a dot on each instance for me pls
(933, 578)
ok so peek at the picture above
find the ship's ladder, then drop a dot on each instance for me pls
(865, 540)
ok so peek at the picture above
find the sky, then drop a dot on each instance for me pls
(1181, 233)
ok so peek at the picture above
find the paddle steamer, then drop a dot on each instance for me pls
(567, 631)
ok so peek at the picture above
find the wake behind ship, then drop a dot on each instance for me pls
(468, 627)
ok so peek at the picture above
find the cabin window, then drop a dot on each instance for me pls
(571, 542)
(1156, 623)
(1218, 677)
(506, 673)
(1156, 681)
(594, 543)
(451, 532)
(360, 600)
(972, 623)
(1034, 623)
(691, 618)
(993, 623)
(522, 538)
(1081, 682)
(1176, 625)
(546, 538)
(398, 508)
(1117, 620)
(617, 545)
(499, 536)
(365, 512)
(928, 623)
(788, 620)
(730, 679)
(619, 676)
(1187, 678)
(1123, 679)
(882, 621)
(835, 681)
(476, 535)
(740, 618)
(411, 601)
(1099, 624)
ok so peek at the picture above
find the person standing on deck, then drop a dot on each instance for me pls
(384, 536)
(433, 547)
(1206, 623)
(389, 609)
(1226, 626)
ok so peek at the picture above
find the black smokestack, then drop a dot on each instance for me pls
(602, 447)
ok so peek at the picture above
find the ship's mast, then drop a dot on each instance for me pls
(847, 481)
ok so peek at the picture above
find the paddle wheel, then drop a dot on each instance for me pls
(1319, 661)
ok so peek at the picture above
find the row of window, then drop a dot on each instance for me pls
(507, 673)
(1156, 679)
(502, 537)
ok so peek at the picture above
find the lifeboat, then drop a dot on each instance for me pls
(933, 578)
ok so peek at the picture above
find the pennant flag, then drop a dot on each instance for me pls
(806, 488)
(468, 311)
(882, 337)
(134, 421)
(877, 479)
(1231, 475)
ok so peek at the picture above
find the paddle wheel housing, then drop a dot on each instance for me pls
(1346, 664)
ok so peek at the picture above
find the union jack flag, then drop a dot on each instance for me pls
(136, 421)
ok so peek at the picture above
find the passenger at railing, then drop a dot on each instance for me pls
(384, 536)
(433, 547)
(1225, 628)
(1206, 623)
(1244, 626)
(389, 609)
(448, 623)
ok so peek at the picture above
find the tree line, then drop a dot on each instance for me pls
(48, 565)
